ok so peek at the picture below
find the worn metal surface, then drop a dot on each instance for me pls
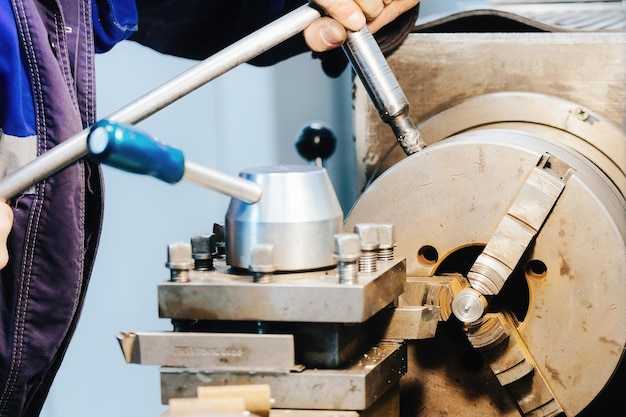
(589, 133)
(583, 16)
(516, 369)
(209, 350)
(438, 71)
(406, 323)
(515, 15)
(574, 273)
(356, 387)
(386, 406)
(437, 291)
(316, 297)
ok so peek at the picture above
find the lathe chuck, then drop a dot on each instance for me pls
(564, 303)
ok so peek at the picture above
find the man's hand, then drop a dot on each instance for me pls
(329, 32)
(6, 222)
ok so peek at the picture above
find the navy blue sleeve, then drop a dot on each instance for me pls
(198, 29)
(113, 21)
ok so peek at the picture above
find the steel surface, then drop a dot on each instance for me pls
(303, 297)
(354, 388)
(438, 71)
(574, 320)
(298, 214)
(209, 350)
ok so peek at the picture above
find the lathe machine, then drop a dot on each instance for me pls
(484, 275)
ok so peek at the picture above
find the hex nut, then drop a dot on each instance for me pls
(368, 232)
(179, 256)
(262, 258)
(387, 235)
(201, 246)
(347, 247)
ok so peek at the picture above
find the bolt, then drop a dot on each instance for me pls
(387, 237)
(370, 242)
(179, 261)
(262, 262)
(347, 253)
(201, 251)
(581, 114)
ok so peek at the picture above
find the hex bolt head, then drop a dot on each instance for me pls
(262, 258)
(201, 251)
(179, 255)
(347, 247)
(201, 246)
(368, 232)
(347, 253)
(387, 238)
(387, 235)
(262, 263)
(179, 261)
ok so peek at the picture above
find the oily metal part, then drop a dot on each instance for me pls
(451, 197)
(356, 387)
(437, 71)
(311, 297)
(568, 123)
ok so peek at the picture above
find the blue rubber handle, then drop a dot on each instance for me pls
(127, 148)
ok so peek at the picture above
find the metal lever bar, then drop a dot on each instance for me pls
(239, 52)
(369, 61)
(383, 88)
(127, 148)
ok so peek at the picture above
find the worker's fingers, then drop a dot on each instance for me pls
(346, 12)
(391, 11)
(6, 222)
(371, 8)
(330, 32)
(324, 34)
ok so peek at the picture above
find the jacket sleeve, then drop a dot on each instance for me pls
(197, 29)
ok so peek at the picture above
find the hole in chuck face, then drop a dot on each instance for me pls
(427, 255)
(536, 269)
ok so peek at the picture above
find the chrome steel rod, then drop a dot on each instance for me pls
(236, 187)
(239, 52)
(383, 88)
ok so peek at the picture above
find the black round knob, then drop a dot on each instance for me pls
(316, 142)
